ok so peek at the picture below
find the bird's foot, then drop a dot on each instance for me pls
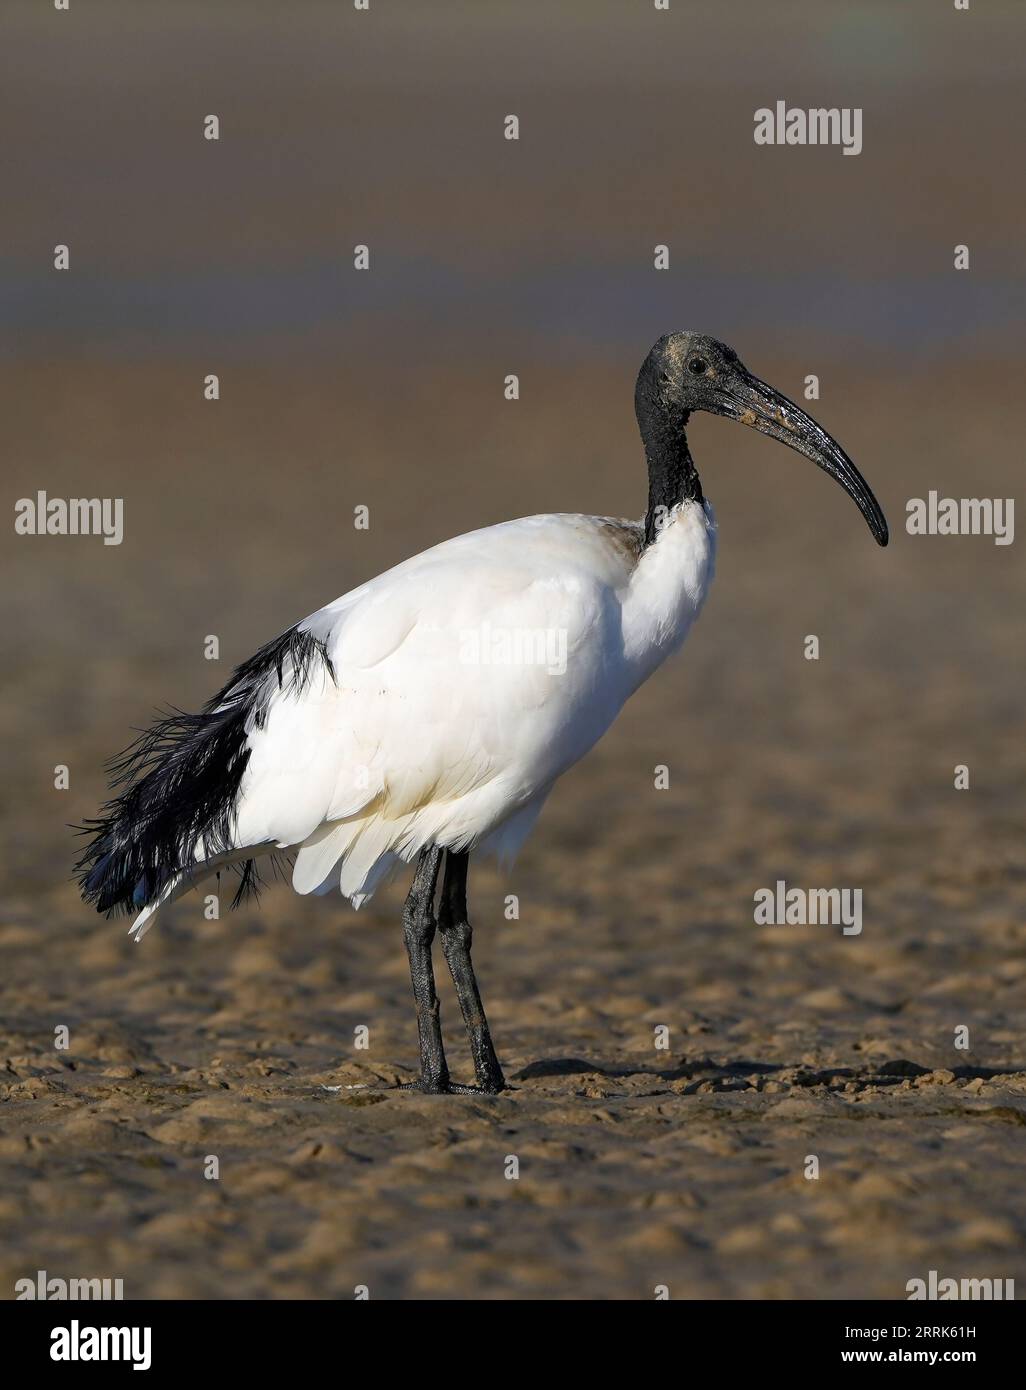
(489, 1074)
(431, 1087)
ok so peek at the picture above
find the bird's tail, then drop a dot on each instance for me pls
(173, 819)
(174, 812)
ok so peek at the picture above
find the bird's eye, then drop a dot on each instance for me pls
(697, 365)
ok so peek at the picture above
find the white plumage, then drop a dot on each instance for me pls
(444, 719)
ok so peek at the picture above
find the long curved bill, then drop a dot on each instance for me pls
(768, 411)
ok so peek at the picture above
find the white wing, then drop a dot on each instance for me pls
(463, 682)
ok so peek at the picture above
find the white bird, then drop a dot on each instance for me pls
(427, 714)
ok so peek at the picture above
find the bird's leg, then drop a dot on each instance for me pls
(456, 937)
(419, 931)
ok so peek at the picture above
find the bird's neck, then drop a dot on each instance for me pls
(672, 475)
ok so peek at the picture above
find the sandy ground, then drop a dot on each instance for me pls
(638, 1166)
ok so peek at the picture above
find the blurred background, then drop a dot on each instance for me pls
(385, 388)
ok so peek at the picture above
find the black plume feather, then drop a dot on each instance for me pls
(180, 781)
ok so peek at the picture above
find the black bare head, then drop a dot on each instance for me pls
(685, 372)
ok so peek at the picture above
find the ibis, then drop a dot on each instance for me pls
(424, 717)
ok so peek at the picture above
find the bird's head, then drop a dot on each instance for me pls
(685, 372)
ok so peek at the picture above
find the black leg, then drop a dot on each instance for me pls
(419, 931)
(456, 937)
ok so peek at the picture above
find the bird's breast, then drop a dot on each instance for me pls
(668, 587)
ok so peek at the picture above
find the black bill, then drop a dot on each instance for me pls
(752, 402)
